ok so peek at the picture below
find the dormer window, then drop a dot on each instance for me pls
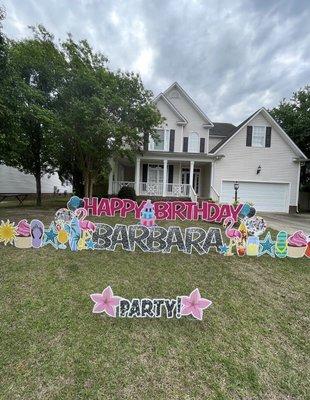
(259, 136)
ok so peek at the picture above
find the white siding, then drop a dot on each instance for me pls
(213, 141)
(241, 162)
(14, 181)
(195, 120)
(171, 123)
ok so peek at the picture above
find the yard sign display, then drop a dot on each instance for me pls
(115, 306)
(244, 232)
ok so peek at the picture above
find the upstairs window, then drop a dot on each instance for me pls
(162, 141)
(259, 136)
(193, 143)
(159, 142)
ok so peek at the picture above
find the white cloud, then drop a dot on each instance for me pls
(232, 57)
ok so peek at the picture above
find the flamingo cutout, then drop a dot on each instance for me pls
(233, 234)
(85, 225)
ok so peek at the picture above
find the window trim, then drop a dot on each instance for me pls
(264, 137)
(189, 150)
(151, 146)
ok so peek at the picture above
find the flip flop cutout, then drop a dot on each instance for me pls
(37, 231)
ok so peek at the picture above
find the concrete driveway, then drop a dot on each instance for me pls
(287, 222)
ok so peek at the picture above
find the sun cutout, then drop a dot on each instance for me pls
(7, 232)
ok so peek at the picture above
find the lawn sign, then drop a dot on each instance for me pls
(116, 306)
(245, 232)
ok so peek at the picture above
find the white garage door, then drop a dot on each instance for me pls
(265, 196)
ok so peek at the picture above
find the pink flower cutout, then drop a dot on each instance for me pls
(105, 302)
(194, 304)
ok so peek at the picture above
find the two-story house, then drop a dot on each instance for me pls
(196, 158)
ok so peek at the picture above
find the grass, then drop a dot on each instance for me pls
(253, 342)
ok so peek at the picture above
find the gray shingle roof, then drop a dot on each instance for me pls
(221, 128)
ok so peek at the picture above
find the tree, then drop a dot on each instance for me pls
(103, 114)
(36, 71)
(294, 117)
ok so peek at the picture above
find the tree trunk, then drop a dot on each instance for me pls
(78, 185)
(86, 184)
(91, 183)
(38, 187)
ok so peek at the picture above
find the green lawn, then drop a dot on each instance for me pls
(253, 342)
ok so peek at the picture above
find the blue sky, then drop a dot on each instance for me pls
(232, 57)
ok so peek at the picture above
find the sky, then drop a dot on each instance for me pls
(232, 57)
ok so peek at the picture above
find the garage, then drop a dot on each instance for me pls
(266, 196)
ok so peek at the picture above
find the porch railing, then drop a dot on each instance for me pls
(156, 189)
(151, 189)
(117, 185)
(214, 194)
(192, 194)
(177, 190)
(172, 190)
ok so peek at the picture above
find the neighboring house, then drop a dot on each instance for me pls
(196, 158)
(14, 181)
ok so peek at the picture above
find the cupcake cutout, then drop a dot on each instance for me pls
(297, 245)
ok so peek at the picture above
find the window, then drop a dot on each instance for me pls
(193, 143)
(159, 144)
(259, 136)
(156, 173)
(162, 141)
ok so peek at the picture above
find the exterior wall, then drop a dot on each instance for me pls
(195, 121)
(127, 174)
(213, 141)
(241, 162)
(14, 181)
(171, 123)
(205, 180)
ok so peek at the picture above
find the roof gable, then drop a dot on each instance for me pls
(190, 101)
(270, 119)
(161, 96)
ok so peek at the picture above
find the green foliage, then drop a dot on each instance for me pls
(127, 192)
(63, 109)
(104, 114)
(35, 72)
(294, 117)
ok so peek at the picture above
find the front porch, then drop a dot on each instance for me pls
(165, 177)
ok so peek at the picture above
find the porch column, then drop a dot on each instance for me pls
(191, 173)
(165, 177)
(137, 177)
(110, 187)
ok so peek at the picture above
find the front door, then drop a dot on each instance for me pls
(155, 179)
(196, 178)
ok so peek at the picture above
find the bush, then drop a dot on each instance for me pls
(127, 192)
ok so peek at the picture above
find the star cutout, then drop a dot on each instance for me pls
(194, 304)
(90, 244)
(50, 236)
(266, 246)
(105, 302)
(224, 249)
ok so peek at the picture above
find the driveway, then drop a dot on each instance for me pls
(287, 222)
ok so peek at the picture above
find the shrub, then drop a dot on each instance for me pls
(127, 192)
